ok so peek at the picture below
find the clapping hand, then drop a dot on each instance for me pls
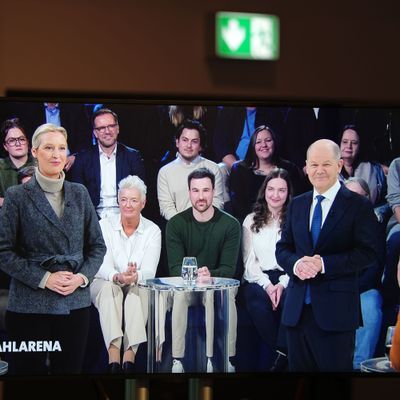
(129, 277)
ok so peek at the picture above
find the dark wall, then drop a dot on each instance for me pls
(339, 50)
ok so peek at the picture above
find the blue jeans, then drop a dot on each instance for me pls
(367, 336)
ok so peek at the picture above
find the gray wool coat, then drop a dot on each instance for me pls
(34, 240)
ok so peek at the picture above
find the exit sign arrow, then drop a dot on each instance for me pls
(247, 36)
(233, 34)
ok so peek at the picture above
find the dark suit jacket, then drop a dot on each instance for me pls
(347, 245)
(86, 169)
(31, 232)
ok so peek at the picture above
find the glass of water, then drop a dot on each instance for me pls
(189, 270)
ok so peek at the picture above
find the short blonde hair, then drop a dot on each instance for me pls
(45, 128)
(133, 182)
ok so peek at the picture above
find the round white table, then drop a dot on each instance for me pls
(170, 299)
(380, 364)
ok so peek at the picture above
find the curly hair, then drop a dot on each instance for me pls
(262, 214)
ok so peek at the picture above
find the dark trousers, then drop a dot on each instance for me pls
(71, 331)
(266, 320)
(311, 349)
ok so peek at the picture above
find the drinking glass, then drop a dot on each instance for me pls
(189, 270)
(388, 340)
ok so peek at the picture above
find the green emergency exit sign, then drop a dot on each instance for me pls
(247, 36)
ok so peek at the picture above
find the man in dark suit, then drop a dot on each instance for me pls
(328, 237)
(101, 167)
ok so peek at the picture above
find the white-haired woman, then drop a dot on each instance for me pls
(51, 245)
(133, 251)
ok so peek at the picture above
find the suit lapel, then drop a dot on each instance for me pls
(335, 214)
(96, 168)
(42, 205)
(304, 219)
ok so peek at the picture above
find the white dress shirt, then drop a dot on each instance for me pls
(326, 204)
(108, 180)
(259, 253)
(143, 247)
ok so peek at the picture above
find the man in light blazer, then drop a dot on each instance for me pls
(102, 167)
(322, 307)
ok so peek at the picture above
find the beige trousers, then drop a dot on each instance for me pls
(182, 300)
(111, 301)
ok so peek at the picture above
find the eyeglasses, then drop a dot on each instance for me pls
(13, 141)
(103, 129)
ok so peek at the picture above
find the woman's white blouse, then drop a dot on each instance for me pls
(259, 252)
(143, 247)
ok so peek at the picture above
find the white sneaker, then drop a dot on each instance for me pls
(177, 367)
(210, 367)
(231, 368)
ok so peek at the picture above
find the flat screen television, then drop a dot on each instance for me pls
(150, 126)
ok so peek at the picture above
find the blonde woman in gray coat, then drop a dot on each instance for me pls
(51, 246)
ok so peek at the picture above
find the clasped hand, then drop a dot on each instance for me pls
(129, 277)
(203, 274)
(309, 267)
(275, 293)
(64, 282)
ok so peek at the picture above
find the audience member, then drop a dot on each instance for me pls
(133, 251)
(265, 280)
(380, 131)
(16, 145)
(355, 164)
(51, 245)
(173, 196)
(173, 116)
(235, 125)
(102, 167)
(369, 284)
(248, 175)
(213, 237)
(72, 116)
(390, 289)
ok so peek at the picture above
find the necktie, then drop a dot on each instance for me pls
(316, 223)
(316, 220)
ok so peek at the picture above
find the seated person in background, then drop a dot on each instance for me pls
(213, 237)
(15, 143)
(390, 289)
(133, 251)
(265, 280)
(235, 125)
(172, 190)
(101, 167)
(395, 349)
(173, 116)
(355, 165)
(369, 283)
(248, 175)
